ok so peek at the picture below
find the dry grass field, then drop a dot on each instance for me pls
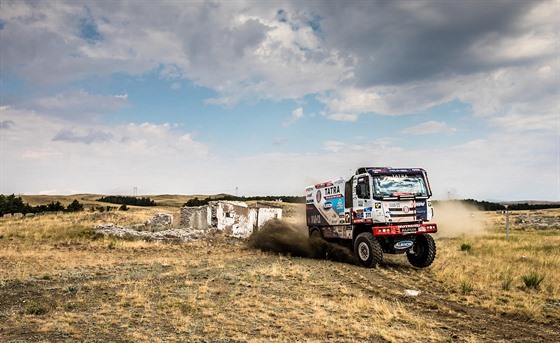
(62, 281)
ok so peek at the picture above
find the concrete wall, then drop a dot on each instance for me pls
(233, 218)
(198, 217)
(268, 213)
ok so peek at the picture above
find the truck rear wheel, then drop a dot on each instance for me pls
(424, 251)
(368, 250)
(316, 233)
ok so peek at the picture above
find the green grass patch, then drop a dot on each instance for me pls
(466, 287)
(36, 309)
(533, 280)
(507, 282)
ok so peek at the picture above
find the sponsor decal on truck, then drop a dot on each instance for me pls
(401, 245)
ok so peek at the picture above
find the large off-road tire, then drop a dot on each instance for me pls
(315, 234)
(424, 251)
(368, 250)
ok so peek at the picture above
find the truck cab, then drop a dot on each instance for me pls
(390, 197)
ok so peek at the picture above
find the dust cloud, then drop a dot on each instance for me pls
(455, 219)
(282, 237)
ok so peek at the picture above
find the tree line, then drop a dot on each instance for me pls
(227, 197)
(13, 204)
(126, 200)
(494, 206)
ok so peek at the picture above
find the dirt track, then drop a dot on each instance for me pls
(455, 319)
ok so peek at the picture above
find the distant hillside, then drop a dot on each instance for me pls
(162, 200)
(178, 200)
(87, 199)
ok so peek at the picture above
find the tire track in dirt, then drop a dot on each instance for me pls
(458, 321)
(389, 282)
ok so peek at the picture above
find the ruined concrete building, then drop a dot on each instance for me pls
(233, 218)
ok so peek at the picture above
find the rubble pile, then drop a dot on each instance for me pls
(537, 220)
(161, 219)
(169, 234)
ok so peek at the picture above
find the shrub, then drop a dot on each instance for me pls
(35, 309)
(196, 202)
(72, 289)
(75, 206)
(506, 283)
(466, 287)
(55, 207)
(466, 246)
(533, 280)
(91, 234)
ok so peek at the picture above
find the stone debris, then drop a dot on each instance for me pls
(412, 292)
(161, 219)
(169, 234)
(536, 220)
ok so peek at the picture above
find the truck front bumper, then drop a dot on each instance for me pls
(404, 229)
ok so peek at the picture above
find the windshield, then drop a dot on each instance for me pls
(399, 184)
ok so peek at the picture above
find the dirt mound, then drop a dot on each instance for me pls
(285, 238)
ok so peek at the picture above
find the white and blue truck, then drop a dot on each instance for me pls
(377, 210)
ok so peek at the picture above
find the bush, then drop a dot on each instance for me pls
(35, 309)
(196, 202)
(55, 207)
(533, 280)
(13, 204)
(466, 287)
(90, 234)
(506, 283)
(466, 246)
(123, 208)
(75, 206)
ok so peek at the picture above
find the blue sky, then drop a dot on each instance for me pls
(202, 97)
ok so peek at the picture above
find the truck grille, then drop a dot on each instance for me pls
(400, 215)
(397, 212)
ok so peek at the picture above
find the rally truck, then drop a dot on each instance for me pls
(377, 210)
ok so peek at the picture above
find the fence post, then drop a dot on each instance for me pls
(507, 221)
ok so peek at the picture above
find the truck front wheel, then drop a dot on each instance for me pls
(368, 250)
(424, 251)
